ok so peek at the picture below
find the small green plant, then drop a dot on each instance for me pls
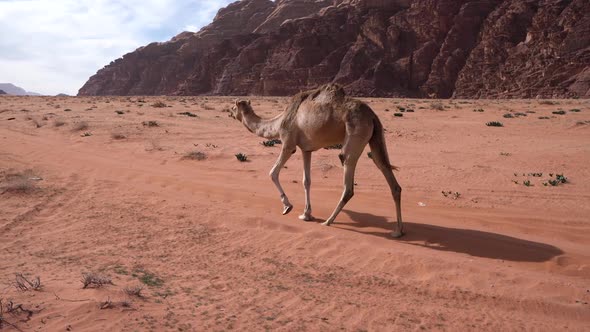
(148, 278)
(401, 108)
(151, 123)
(480, 110)
(370, 155)
(544, 118)
(159, 104)
(560, 112)
(409, 110)
(192, 115)
(561, 178)
(271, 142)
(494, 124)
(505, 154)
(398, 114)
(575, 110)
(241, 157)
(527, 183)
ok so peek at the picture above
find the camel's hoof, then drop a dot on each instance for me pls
(305, 217)
(326, 223)
(287, 209)
(397, 234)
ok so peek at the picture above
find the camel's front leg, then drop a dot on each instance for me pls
(286, 153)
(307, 186)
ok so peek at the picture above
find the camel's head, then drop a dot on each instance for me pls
(241, 107)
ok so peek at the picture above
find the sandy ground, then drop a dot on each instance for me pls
(207, 241)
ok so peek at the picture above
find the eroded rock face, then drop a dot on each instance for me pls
(444, 48)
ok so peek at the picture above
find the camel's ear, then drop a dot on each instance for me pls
(236, 102)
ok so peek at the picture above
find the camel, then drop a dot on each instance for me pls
(316, 119)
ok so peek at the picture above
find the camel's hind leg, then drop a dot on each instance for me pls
(396, 192)
(307, 186)
(286, 153)
(351, 151)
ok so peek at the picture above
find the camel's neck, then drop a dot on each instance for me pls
(267, 128)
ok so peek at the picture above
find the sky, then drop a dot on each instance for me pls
(54, 46)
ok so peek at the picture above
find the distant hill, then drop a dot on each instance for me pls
(12, 89)
(62, 95)
(385, 48)
(2, 92)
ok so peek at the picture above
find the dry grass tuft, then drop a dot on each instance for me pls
(134, 291)
(20, 183)
(117, 135)
(23, 284)
(95, 280)
(195, 155)
(79, 126)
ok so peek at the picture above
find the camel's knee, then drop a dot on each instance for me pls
(348, 193)
(306, 183)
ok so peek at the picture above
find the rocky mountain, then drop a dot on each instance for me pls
(445, 48)
(12, 89)
(2, 92)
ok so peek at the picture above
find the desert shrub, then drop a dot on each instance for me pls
(271, 142)
(120, 112)
(241, 157)
(508, 115)
(68, 110)
(547, 102)
(399, 115)
(86, 134)
(437, 106)
(478, 110)
(79, 126)
(195, 155)
(151, 123)
(575, 110)
(544, 117)
(189, 114)
(23, 284)
(409, 110)
(134, 291)
(117, 135)
(59, 122)
(560, 112)
(159, 104)
(19, 183)
(494, 124)
(334, 147)
(94, 280)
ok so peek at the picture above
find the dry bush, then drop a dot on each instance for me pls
(59, 122)
(195, 155)
(117, 135)
(20, 183)
(23, 284)
(95, 280)
(134, 291)
(207, 107)
(159, 104)
(437, 106)
(79, 126)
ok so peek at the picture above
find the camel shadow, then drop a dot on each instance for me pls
(467, 241)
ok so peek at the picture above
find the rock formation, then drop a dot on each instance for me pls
(445, 48)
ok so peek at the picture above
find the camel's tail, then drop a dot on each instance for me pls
(378, 147)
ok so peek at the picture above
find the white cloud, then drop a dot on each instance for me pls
(54, 46)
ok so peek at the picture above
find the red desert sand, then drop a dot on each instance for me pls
(131, 191)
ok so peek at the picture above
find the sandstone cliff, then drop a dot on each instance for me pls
(444, 48)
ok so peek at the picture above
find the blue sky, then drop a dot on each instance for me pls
(54, 46)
